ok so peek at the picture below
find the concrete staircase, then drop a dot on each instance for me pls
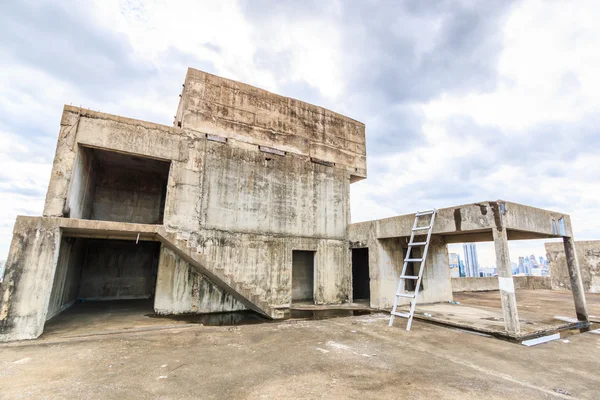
(242, 291)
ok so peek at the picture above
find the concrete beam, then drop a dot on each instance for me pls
(474, 222)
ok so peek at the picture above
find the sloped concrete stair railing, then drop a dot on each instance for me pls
(239, 290)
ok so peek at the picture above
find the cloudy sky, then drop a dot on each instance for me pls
(463, 101)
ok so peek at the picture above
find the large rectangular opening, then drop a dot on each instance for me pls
(112, 186)
(91, 270)
(361, 284)
(303, 275)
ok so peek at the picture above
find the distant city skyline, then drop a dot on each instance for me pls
(527, 264)
(517, 248)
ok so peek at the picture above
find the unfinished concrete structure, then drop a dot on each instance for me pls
(242, 204)
(497, 221)
(588, 255)
(209, 215)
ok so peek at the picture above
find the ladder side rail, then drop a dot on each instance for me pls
(400, 287)
(413, 303)
(403, 273)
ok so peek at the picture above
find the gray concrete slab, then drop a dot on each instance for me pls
(352, 358)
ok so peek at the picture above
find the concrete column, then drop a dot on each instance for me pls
(576, 283)
(505, 281)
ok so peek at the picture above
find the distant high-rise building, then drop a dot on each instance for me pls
(454, 265)
(521, 268)
(471, 260)
(533, 261)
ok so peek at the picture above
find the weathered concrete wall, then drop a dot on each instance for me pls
(127, 195)
(116, 269)
(82, 186)
(25, 291)
(179, 290)
(245, 190)
(386, 258)
(242, 208)
(265, 263)
(67, 276)
(588, 255)
(214, 105)
(491, 283)
(474, 222)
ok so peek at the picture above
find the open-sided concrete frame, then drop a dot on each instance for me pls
(497, 221)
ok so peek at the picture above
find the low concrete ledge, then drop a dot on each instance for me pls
(491, 283)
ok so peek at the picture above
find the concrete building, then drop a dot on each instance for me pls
(588, 254)
(242, 204)
(471, 260)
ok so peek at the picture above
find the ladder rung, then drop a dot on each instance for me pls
(400, 314)
(409, 295)
(409, 277)
(417, 244)
(421, 228)
(413, 260)
(422, 213)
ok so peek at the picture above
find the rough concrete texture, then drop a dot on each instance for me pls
(242, 209)
(474, 223)
(485, 221)
(588, 255)
(386, 257)
(243, 179)
(231, 209)
(491, 283)
(179, 290)
(218, 106)
(352, 358)
(28, 278)
(541, 312)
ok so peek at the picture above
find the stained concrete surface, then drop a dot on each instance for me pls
(355, 357)
(539, 311)
(92, 318)
(588, 255)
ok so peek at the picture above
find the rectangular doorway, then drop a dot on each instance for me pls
(303, 275)
(361, 283)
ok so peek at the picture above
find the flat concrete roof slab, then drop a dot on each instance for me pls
(540, 312)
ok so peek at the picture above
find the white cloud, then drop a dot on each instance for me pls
(547, 70)
(546, 74)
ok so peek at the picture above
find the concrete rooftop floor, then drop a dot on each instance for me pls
(352, 357)
(540, 311)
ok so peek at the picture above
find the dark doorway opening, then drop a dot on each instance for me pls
(91, 270)
(361, 283)
(112, 186)
(303, 275)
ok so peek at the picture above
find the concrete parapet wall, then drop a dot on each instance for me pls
(588, 255)
(491, 283)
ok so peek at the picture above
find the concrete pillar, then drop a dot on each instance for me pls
(576, 282)
(505, 281)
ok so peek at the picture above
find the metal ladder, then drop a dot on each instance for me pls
(407, 259)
